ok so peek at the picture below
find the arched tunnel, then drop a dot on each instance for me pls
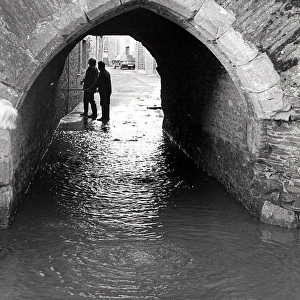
(229, 88)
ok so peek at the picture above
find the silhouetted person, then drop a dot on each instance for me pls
(103, 84)
(90, 78)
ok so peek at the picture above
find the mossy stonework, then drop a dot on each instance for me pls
(230, 93)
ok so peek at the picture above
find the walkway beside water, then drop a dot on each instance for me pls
(131, 91)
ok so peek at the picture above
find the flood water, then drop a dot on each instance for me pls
(117, 212)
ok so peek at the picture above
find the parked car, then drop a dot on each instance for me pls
(124, 62)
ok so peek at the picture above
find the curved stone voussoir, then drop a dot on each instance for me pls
(70, 20)
(270, 103)
(213, 20)
(258, 75)
(98, 8)
(185, 9)
(44, 40)
(237, 50)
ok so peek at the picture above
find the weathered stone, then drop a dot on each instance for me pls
(270, 185)
(273, 197)
(238, 50)
(288, 198)
(70, 19)
(15, 67)
(269, 103)
(186, 9)
(276, 215)
(258, 75)
(214, 19)
(44, 40)
(98, 8)
(6, 170)
(291, 188)
(5, 196)
(5, 147)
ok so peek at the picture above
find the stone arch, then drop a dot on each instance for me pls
(53, 27)
(208, 21)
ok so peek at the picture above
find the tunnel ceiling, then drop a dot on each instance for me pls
(171, 45)
(139, 23)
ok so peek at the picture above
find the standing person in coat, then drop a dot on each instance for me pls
(103, 84)
(90, 78)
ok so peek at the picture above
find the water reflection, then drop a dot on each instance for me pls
(121, 214)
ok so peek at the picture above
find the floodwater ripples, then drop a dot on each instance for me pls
(124, 215)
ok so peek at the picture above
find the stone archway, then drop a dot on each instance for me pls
(37, 35)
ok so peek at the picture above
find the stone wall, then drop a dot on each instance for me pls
(208, 119)
(46, 102)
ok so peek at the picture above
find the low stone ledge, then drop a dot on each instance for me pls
(276, 215)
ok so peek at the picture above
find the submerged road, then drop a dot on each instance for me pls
(117, 212)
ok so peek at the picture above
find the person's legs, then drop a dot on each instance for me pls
(104, 102)
(105, 115)
(93, 106)
(85, 104)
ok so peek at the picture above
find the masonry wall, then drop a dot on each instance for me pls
(47, 101)
(208, 119)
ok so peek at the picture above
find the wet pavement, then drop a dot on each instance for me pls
(133, 93)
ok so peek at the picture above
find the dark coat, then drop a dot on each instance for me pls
(103, 83)
(90, 78)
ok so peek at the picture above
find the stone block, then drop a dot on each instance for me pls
(5, 145)
(96, 9)
(15, 64)
(186, 9)
(44, 40)
(6, 170)
(269, 103)
(258, 75)
(276, 215)
(289, 198)
(69, 19)
(6, 195)
(9, 93)
(214, 19)
(238, 51)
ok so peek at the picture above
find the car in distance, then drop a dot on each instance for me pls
(124, 62)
